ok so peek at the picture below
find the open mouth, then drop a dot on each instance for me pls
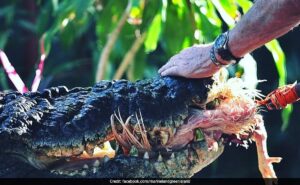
(177, 143)
(183, 145)
(229, 115)
(222, 120)
(132, 138)
(105, 151)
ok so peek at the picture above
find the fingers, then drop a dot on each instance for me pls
(168, 65)
(172, 71)
(163, 68)
(169, 69)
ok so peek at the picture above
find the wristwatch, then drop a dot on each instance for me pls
(221, 49)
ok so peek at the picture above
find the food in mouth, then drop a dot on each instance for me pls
(229, 115)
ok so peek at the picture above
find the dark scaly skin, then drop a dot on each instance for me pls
(43, 128)
(119, 167)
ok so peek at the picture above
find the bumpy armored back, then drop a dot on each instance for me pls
(57, 113)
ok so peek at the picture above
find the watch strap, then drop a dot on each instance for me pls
(225, 53)
(221, 48)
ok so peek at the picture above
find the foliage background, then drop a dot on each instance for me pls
(76, 34)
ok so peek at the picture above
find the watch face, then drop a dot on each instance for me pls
(221, 48)
(220, 42)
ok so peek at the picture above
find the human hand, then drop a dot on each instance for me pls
(192, 62)
(281, 97)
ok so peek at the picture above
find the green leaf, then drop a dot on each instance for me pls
(48, 36)
(8, 12)
(227, 10)
(55, 4)
(207, 21)
(139, 65)
(136, 11)
(230, 7)
(279, 59)
(212, 15)
(153, 34)
(108, 19)
(173, 34)
(286, 114)
(27, 25)
(245, 5)
(4, 38)
(152, 8)
(54, 69)
(3, 80)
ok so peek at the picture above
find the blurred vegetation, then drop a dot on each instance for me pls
(113, 39)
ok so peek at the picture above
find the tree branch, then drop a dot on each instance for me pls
(129, 56)
(102, 63)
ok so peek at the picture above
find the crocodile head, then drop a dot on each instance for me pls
(79, 131)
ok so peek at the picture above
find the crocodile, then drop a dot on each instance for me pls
(159, 127)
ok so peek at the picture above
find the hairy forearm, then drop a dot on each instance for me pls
(266, 20)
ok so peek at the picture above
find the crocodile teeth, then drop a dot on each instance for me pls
(96, 163)
(94, 170)
(172, 156)
(146, 155)
(159, 159)
(106, 150)
(245, 144)
(174, 130)
(85, 166)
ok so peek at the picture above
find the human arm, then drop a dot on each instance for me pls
(266, 20)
